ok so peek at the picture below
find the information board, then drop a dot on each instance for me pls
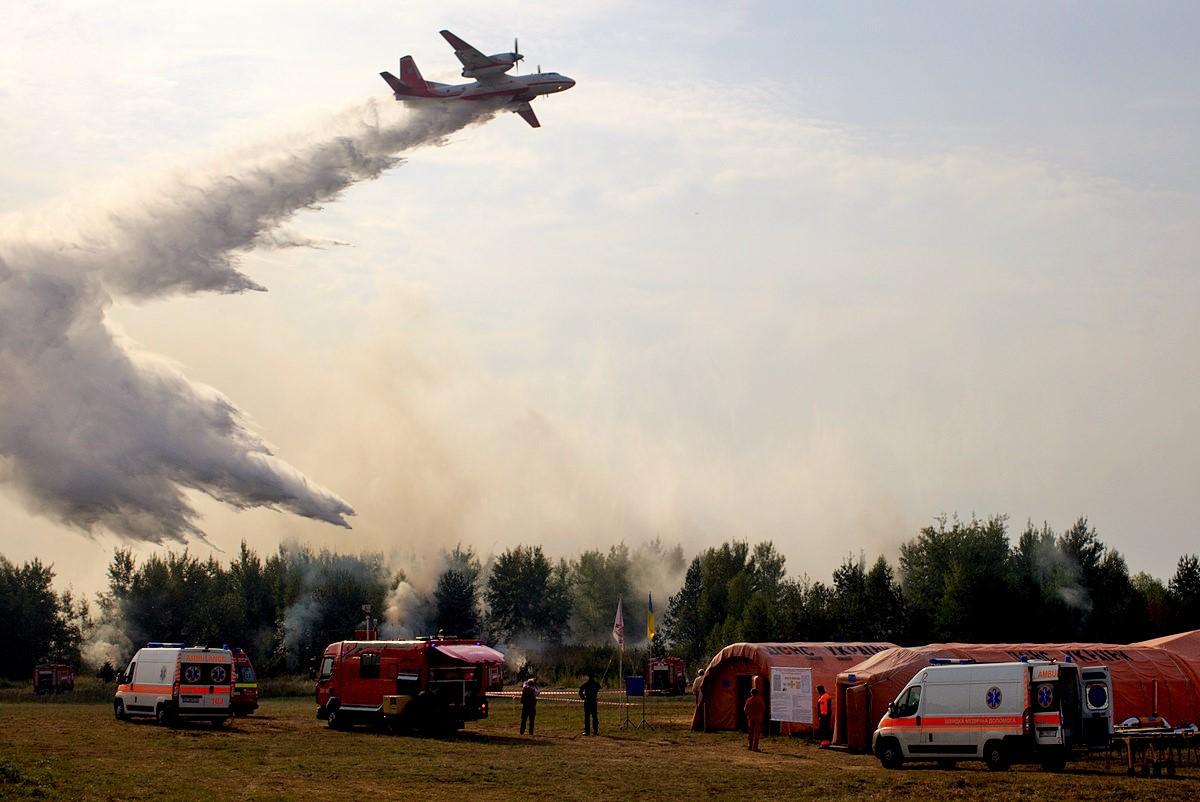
(792, 695)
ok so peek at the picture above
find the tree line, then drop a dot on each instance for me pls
(956, 580)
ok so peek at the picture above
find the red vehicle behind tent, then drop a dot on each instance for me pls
(731, 674)
(1148, 680)
(665, 675)
(432, 683)
(53, 678)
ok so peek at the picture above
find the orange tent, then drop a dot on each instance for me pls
(1184, 644)
(731, 674)
(1146, 679)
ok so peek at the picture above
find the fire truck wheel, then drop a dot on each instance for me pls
(994, 756)
(1054, 762)
(890, 756)
(119, 710)
(334, 719)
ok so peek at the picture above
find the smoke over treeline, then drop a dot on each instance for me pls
(286, 608)
(96, 435)
(955, 581)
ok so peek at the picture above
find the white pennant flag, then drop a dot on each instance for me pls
(619, 627)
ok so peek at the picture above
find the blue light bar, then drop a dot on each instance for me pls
(159, 645)
(950, 661)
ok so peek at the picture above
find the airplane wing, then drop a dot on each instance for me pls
(526, 112)
(471, 58)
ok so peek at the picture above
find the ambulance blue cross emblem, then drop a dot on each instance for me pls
(994, 697)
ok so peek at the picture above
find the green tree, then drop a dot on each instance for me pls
(456, 597)
(526, 596)
(39, 624)
(599, 580)
(956, 581)
(1184, 592)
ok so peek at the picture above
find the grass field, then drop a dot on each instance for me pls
(78, 751)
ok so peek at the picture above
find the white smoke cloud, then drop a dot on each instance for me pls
(408, 613)
(97, 435)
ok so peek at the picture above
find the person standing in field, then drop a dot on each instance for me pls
(529, 695)
(754, 719)
(589, 692)
(824, 714)
(698, 692)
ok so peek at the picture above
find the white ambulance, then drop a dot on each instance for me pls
(1001, 713)
(170, 681)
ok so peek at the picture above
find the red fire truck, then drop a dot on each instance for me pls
(53, 678)
(665, 675)
(244, 700)
(433, 684)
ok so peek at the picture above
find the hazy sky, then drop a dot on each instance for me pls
(807, 272)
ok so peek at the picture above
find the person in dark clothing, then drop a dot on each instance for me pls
(589, 693)
(529, 695)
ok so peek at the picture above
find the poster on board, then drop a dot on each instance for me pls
(792, 695)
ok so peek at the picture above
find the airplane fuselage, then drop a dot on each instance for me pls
(515, 87)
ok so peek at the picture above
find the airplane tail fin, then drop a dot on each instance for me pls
(410, 83)
(411, 76)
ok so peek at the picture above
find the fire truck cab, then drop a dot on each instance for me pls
(1029, 711)
(169, 681)
(433, 684)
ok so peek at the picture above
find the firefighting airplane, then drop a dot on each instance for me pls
(490, 81)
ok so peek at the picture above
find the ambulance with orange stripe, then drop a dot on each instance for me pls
(170, 682)
(1033, 711)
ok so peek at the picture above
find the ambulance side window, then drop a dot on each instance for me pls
(327, 668)
(129, 672)
(369, 667)
(908, 702)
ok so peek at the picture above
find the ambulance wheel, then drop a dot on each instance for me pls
(890, 756)
(119, 710)
(994, 756)
(162, 715)
(946, 764)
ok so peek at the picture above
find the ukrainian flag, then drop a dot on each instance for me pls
(650, 616)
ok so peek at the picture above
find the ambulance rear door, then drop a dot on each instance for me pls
(1097, 707)
(205, 681)
(1046, 702)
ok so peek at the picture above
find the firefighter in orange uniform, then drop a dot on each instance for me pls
(824, 714)
(754, 718)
